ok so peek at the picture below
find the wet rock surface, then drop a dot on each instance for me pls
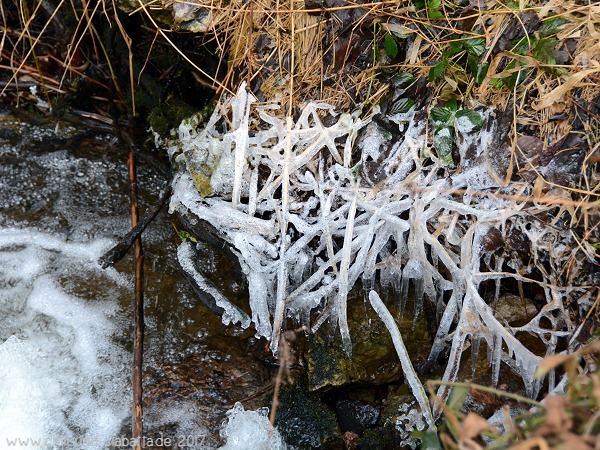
(374, 359)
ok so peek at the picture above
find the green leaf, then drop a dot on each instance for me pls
(390, 45)
(552, 26)
(545, 51)
(186, 236)
(431, 441)
(436, 71)
(475, 46)
(497, 82)
(402, 106)
(441, 115)
(457, 398)
(451, 104)
(433, 9)
(481, 73)
(473, 62)
(516, 78)
(521, 46)
(443, 140)
(419, 4)
(473, 116)
(454, 48)
(403, 79)
(434, 14)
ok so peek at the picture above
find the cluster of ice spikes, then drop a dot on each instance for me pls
(293, 200)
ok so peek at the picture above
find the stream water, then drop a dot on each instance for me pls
(66, 335)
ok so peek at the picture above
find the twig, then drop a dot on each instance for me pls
(490, 390)
(138, 341)
(115, 254)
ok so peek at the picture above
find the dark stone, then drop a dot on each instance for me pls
(304, 420)
(356, 416)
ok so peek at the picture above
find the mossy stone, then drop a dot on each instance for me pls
(304, 420)
(374, 359)
(167, 116)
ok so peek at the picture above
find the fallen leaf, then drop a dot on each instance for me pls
(473, 425)
(551, 362)
(556, 94)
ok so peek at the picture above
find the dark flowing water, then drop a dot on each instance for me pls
(66, 335)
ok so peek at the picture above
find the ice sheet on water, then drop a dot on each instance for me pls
(250, 430)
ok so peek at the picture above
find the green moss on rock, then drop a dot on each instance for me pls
(379, 438)
(168, 116)
(202, 183)
(374, 358)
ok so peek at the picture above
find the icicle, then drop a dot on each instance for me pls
(240, 106)
(475, 344)
(403, 293)
(342, 299)
(368, 284)
(215, 300)
(409, 372)
(253, 192)
(282, 275)
(257, 286)
(419, 297)
(496, 358)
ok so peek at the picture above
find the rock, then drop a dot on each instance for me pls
(512, 309)
(303, 419)
(356, 416)
(374, 358)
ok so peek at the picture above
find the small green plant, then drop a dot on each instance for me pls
(186, 236)
(473, 49)
(390, 45)
(541, 47)
(399, 104)
(444, 119)
(432, 6)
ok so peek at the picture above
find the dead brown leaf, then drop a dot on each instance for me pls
(474, 425)
(557, 417)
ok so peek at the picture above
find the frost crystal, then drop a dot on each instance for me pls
(309, 206)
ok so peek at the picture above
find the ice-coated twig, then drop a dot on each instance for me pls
(213, 298)
(407, 367)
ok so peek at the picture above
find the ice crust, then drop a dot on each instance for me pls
(231, 313)
(313, 223)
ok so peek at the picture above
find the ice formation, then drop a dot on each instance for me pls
(250, 430)
(310, 206)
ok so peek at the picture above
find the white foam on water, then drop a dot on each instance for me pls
(62, 376)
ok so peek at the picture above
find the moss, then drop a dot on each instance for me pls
(304, 420)
(378, 438)
(169, 115)
(374, 359)
(202, 183)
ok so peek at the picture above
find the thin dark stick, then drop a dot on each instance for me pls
(115, 254)
(138, 341)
